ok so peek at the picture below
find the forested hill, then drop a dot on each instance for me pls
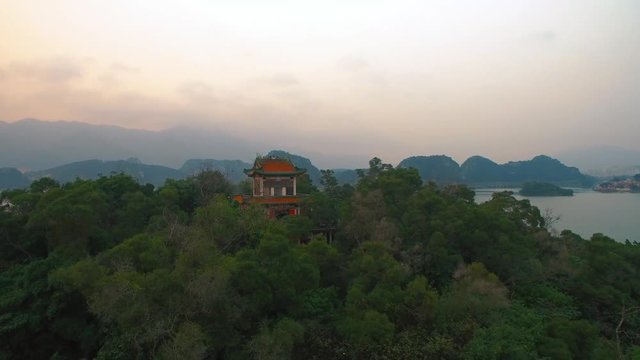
(439, 168)
(113, 269)
(232, 169)
(480, 171)
(541, 168)
(11, 178)
(93, 169)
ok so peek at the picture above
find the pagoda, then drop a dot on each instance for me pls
(274, 186)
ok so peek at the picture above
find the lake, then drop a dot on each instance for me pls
(616, 215)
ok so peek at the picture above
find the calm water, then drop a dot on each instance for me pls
(616, 215)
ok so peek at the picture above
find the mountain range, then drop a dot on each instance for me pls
(11, 177)
(60, 150)
(476, 171)
(479, 171)
(34, 145)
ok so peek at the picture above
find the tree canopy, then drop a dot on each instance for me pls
(114, 269)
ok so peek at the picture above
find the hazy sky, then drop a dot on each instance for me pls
(505, 79)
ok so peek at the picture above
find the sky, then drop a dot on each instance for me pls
(345, 80)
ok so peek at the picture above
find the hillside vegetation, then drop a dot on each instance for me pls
(112, 269)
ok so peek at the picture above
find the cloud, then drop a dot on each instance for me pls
(277, 80)
(59, 70)
(546, 36)
(367, 78)
(114, 73)
(133, 110)
(196, 91)
(121, 67)
(353, 64)
(108, 79)
(283, 80)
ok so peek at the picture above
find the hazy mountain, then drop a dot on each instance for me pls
(12, 178)
(476, 171)
(346, 176)
(541, 168)
(33, 144)
(93, 169)
(144, 173)
(604, 160)
(480, 171)
(439, 168)
(232, 169)
(301, 162)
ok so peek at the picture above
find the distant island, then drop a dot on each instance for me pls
(535, 188)
(627, 184)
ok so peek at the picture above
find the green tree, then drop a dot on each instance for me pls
(304, 185)
(473, 297)
(512, 334)
(277, 342)
(273, 278)
(210, 183)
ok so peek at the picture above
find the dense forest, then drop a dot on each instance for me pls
(113, 269)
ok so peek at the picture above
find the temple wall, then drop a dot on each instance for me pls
(274, 186)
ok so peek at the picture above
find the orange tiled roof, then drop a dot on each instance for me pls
(277, 165)
(274, 167)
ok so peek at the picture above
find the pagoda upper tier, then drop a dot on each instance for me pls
(274, 186)
(273, 166)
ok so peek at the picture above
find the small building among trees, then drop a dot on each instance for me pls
(274, 185)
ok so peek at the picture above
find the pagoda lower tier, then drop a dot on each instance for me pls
(276, 206)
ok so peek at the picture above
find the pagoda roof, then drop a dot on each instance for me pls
(274, 166)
